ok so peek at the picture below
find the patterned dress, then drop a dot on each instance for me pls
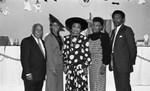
(97, 81)
(76, 57)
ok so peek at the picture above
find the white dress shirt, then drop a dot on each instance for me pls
(116, 32)
(42, 49)
(41, 43)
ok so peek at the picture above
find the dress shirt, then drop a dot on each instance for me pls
(42, 46)
(116, 32)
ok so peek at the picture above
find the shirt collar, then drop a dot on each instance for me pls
(118, 27)
(35, 38)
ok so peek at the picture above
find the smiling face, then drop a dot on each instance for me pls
(97, 26)
(76, 29)
(55, 27)
(37, 31)
(118, 20)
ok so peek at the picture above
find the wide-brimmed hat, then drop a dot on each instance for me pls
(2, 1)
(79, 20)
(53, 19)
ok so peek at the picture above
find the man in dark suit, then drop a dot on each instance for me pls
(124, 51)
(33, 59)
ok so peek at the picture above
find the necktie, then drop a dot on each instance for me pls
(113, 39)
(40, 46)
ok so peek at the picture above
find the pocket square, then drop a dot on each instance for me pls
(120, 36)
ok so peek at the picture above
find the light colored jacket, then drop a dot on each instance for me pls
(54, 54)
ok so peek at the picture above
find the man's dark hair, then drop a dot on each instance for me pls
(118, 12)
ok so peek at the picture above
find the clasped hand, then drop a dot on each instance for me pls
(85, 71)
(29, 77)
(55, 73)
(102, 69)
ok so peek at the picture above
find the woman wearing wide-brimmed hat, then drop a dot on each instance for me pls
(76, 55)
(54, 63)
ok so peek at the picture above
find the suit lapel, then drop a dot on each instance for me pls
(56, 42)
(44, 47)
(112, 36)
(62, 42)
(117, 36)
(119, 31)
(35, 45)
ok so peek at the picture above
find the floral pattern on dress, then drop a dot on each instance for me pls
(76, 56)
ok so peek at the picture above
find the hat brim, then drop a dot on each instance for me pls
(53, 19)
(69, 22)
(2, 1)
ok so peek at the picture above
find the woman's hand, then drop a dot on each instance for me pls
(103, 69)
(55, 73)
(65, 69)
(85, 71)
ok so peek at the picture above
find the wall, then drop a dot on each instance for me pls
(19, 22)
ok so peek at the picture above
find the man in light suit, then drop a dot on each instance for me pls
(124, 51)
(54, 46)
(33, 59)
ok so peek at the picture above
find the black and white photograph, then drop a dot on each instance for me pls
(74, 45)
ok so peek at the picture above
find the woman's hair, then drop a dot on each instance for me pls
(98, 19)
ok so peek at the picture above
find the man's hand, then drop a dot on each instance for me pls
(29, 77)
(111, 64)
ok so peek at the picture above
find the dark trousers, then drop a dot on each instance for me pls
(33, 85)
(122, 80)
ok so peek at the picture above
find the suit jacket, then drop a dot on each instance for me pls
(125, 49)
(54, 54)
(32, 59)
